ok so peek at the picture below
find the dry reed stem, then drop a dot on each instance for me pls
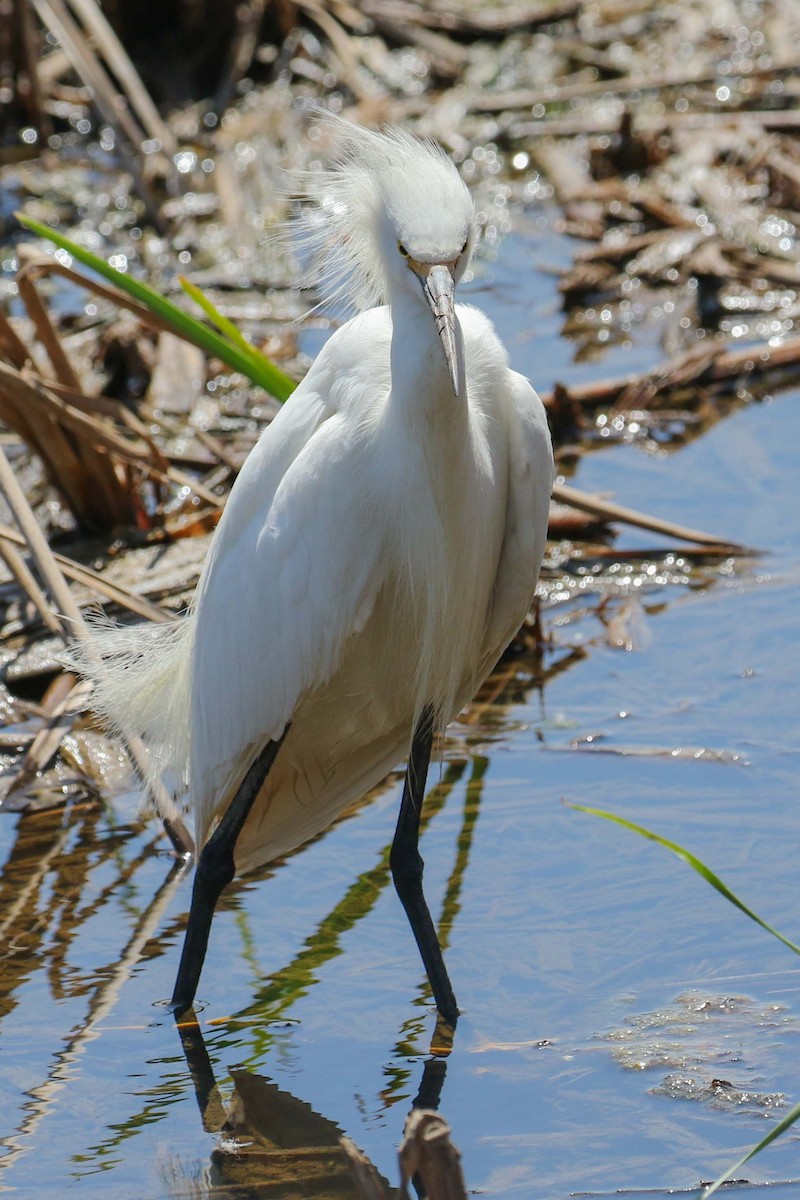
(606, 510)
(95, 24)
(700, 365)
(85, 467)
(345, 49)
(111, 104)
(243, 46)
(149, 459)
(85, 458)
(87, 478)
(64, 371)
(471, 21)
(27, 583)
(585, 89)
(47, 740)
(94, 581)
(11, 345)
(39, 265)
(73, 416)
(59, 590)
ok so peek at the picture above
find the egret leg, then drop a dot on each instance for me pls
(215, 870)
(407, 866)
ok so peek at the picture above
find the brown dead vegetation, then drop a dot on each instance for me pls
(668, 142)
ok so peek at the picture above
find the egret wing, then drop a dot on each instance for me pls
(530, 482)
(293, 575)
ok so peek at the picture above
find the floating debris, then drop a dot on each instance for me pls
(711, 1046)
(671, 156)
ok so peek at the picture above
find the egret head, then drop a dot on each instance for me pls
(391, 217)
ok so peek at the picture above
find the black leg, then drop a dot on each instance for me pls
(215, 870)
(407, 866)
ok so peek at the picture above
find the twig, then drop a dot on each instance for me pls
(696, 554)
(608, 511)
(491, 21)
(706, 364)
(555, 93)
(592, 122)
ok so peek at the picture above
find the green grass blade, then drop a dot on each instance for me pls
(229, 330)
(225, 327)
(256, 367)
(694, 862)
(775, 1132)
(706, 873)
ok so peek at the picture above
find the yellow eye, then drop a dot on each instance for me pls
(402, 249)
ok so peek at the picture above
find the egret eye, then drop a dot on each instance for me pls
(402, 249)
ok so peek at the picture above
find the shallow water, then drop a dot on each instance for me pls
(623, 1026)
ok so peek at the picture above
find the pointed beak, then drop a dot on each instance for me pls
(439, 285)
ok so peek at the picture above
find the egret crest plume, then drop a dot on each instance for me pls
(383, 188)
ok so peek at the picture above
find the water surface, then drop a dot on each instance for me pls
(623, 1026)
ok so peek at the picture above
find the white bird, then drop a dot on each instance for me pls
(378, 551)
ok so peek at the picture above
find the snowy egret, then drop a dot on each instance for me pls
(379, 550)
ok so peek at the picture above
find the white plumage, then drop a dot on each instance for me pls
(382, 543)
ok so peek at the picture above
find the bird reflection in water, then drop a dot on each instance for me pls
(270, 1139)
